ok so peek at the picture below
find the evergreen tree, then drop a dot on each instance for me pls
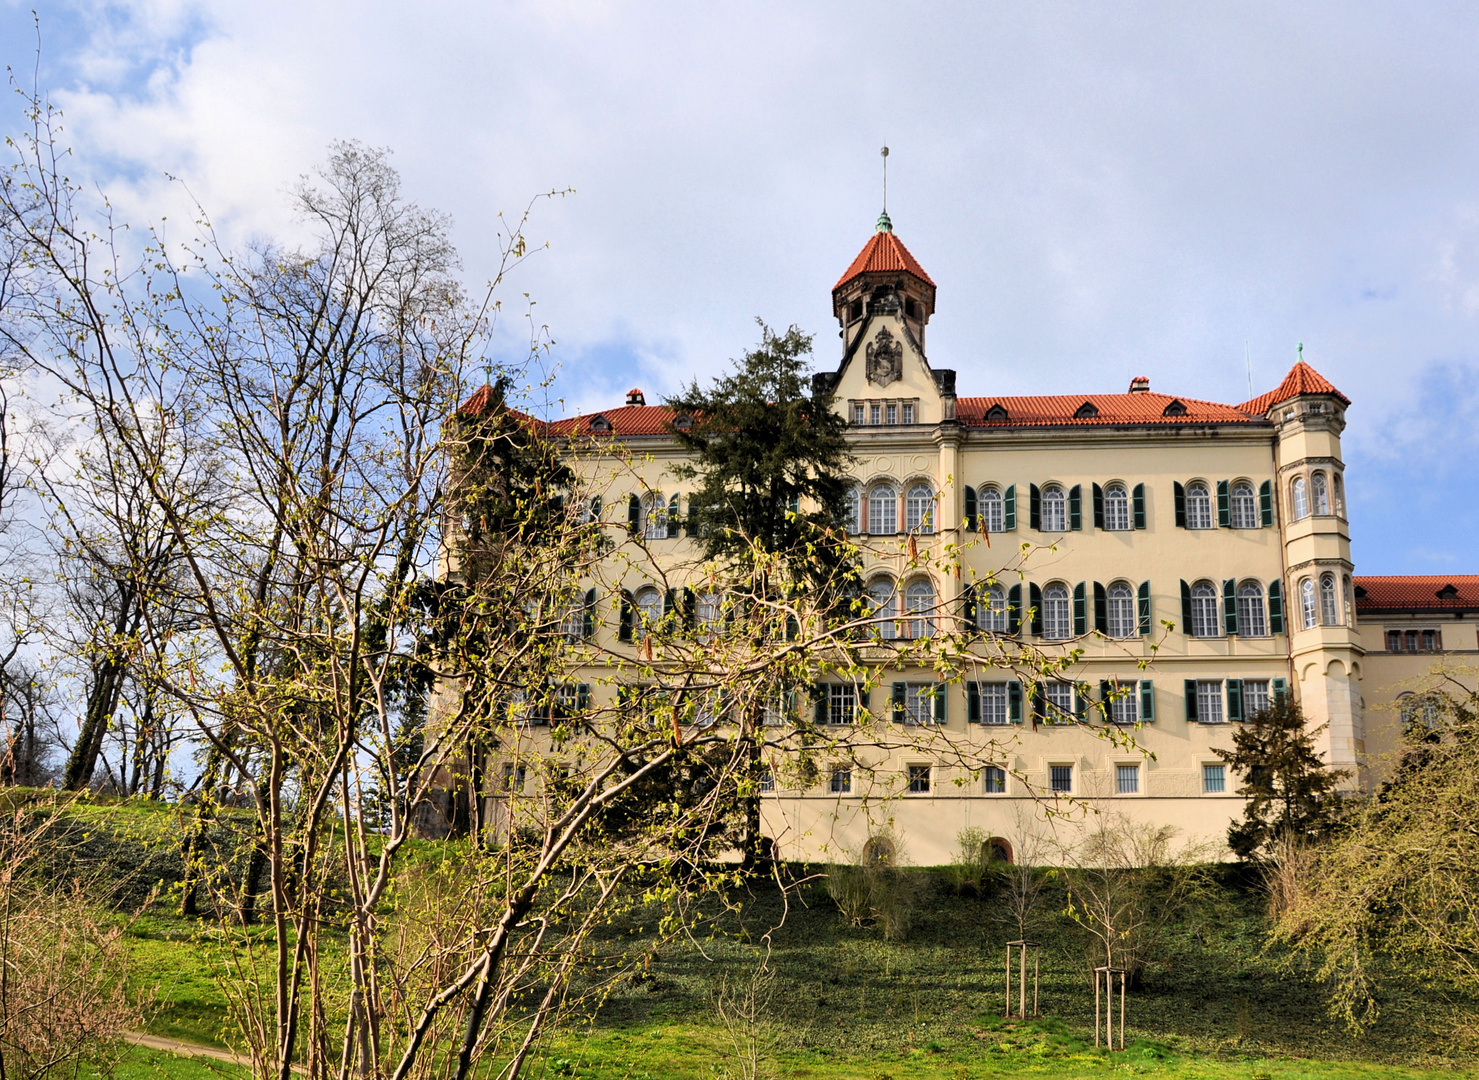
(1289, 789)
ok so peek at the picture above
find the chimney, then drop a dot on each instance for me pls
(636, 397)
(1140, 384)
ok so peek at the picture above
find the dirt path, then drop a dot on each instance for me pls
(187, 1049)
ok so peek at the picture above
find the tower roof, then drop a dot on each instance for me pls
(884, 253)
(1302, 379)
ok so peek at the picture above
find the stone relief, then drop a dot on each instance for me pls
(885, 359)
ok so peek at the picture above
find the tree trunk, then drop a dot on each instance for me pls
(101, 702)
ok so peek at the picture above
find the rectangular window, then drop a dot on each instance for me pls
(1214, 779)
(1127, 779)
(1394, 641)
(1061, 779)
(1411, 641)
(1060, 703)
(1255, 697)
(567, 700)
(995, 780)
(994, 703)
(842, 703)
(767, 779)
(774, 712)
(909, 413)
(1124, 709)
(874, 411)
(893, 414)
(919, 779)
(857, 413)
(841, 779)
(513, 777)
(1209, 701)
(919, 703)
(1431, 642)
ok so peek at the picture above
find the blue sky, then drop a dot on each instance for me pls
(1100, 191)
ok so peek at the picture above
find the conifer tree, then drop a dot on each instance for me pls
(1287, 783)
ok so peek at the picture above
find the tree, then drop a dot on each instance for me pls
(1289, 788)
(1393, 895)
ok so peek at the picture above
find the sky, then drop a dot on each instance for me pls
(1184, 191)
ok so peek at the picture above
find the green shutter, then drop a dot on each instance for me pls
(1235, 699)
(1101, 609)
(669, 602)
(1039, 703)
(1139, 503)
(1179, 494)
(1280, 689)
(1014, 701)
(588, 620)
(970, 509)
(1034, 507)
(673, 511)
(693, 514)
(634, 514)
(968, 608)
(1191, 699)
(940, 702)
(595, 508)
(1080, 702)
(1266, 503)
(973, 702)
(1230, 607)
(1147, 700)
(1080, 610)
(862, 693)
(1075, 508)
(1098, 495)
(1106, 691)
(793, 504)
(628, 616)
(1034, 602)
(583, 697)
(1143, 597)
(1185, 608)
(1224, 505)
(1009, 509)
(1014, 610)
(1275, 607)
(819, 702)
(900, 700)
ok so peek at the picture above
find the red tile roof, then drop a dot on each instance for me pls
(1460, 592)
(885, 253)
(1302, 379)
(1094, 410)
(626, 420)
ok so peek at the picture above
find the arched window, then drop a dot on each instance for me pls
(1299, 500)
(1338, 490)
(1307, 611)
(649, 608)
(1350, 603)
(1204, 621)
(654, 517)
(990, 509)
(853, 520)
(572, 625)
(1117, 508)
(708, 613)
(1056, 625)
(1321, 493)
(1054, 509)
(1122, 622)
(1244, 506)
(919, 598)
(1329, 603)
(919, 509)
(1252, 616)
(882, 599)
(1198, 506)
(991, 609)
(883, 510)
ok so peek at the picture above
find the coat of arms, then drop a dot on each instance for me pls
(885, 359)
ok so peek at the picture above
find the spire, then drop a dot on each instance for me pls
(884, 224)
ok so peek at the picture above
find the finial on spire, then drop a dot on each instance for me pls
(884, 224)
(1301, 352)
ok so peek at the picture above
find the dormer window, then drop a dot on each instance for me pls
(1317, 407)
(600, 423)
(1087, 411)
(1448, 592)
(996, 414)
(1176, 408)
(684, 422)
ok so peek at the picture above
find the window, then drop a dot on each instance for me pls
(1121, 602)
(1127, 779)
(1123, 707)
(1321, 493)
(1255, 697)
(1209, 701)
(1244, 506)
(1419, 708)
(909, 412)
(841, 783)
(881, 598)
(842, 703)
(991, 609)
(919, 779)
(773, 713)
(1394, 641)
(572, 626)
(883, 510)
(1414, 641)
(1338, 490)
(919, 703)
(1056, 625)
(569, 699)
(649, 609)
(1252, 616)
(767, 778)
(993, 703)
(1060, 702)
(708, 709)
(919, 509)
(1054, 509)
(1307, 604)
(919, 597)
(514, 777)
(994, 780)
(1214, 779)
(1116, 508)
(853, 521)
(1329, 606)
(709, 614)
(1204, 621)
(990, 509)
(857, 413)
(654, 517)
(1060, 779)
(1350, 603)
(892, 412)
(1299, 500)
(1198, 506)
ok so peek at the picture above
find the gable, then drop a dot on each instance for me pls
(887, 366)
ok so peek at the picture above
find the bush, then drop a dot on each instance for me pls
(875, 888)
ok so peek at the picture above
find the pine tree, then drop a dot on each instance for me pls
(1288, 786)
